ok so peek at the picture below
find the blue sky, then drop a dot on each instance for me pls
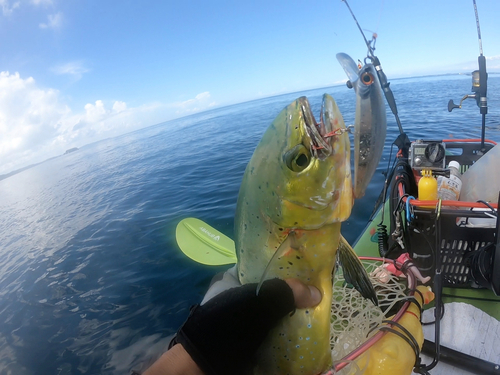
(74, 72)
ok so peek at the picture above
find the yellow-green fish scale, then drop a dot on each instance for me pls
(297, 215)
(301, 344)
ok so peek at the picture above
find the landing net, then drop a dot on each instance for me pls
(354, 317)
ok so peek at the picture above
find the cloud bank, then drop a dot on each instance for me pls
(36, 123)
(200, 102)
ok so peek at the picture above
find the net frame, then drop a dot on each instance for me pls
(411, 284)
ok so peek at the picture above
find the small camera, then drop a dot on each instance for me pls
(427, 155)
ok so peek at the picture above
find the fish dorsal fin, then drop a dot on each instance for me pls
(288, 242)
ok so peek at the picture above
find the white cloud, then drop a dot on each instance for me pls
(36, 124)
(54, 21)
(203, 96)
(75, 69)
(29, 118)
(119, 106)
(7, 7)
(201, 102)
(95, 112)
(493, 63)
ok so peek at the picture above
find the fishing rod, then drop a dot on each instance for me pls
(483, 78)
(389, 96)
(402, 141)
(479, 87)
(479, 84)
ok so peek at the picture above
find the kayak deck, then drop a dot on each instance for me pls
(484, 299)
(468, 330)
(471, 320)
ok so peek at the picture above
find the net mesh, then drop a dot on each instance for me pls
(354, 317)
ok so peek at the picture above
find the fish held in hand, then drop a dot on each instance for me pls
(295, 193)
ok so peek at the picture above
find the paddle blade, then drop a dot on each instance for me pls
(204, 244)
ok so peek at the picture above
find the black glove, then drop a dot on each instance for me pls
(223, 335)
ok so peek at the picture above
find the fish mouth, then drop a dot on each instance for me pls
(319, 133)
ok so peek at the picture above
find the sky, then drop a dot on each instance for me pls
(77, 71)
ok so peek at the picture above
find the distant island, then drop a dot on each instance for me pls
(71, 150)
(4, 176)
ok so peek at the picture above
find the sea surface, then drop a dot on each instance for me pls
(91, 278)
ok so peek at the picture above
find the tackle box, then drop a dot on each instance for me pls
(460, 233)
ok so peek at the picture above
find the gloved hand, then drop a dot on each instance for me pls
(223, 334)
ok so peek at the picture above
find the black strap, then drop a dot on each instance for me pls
(408, 337)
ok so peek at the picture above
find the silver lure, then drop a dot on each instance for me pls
(370, 124)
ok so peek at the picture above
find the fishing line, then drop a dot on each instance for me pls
(380, 14)
(382, 235)
(359, 27)
(478, 29)
(389, 96)
(483, 79)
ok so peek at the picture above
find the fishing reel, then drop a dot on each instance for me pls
(476, 88)
(479, 82)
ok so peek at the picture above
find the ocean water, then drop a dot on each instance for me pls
(91, 278)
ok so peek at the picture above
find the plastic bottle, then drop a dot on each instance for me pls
(427, 187)
(449, 188)
(482, 180)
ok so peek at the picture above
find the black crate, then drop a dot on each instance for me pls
(449, 231)
(455, 243)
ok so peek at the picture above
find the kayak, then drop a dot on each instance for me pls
(483, 299)
(454, 243)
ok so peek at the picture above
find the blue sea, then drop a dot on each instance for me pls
(91, 278)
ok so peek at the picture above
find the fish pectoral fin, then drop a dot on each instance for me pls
(288, 244)
(354, 271)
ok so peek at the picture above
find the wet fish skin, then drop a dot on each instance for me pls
(292, 200)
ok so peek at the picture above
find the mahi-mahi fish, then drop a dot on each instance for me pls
(370, 122)
(295, 193)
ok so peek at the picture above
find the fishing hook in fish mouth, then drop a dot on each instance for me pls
(313, 130)
(320, 146)
(317, 141)
(333, 133)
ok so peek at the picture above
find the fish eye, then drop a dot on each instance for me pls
(367, 78)
(297, 159)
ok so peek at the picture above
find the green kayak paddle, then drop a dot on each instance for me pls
(204, 244)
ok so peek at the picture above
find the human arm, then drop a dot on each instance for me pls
(175, 361)
(242, 319)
